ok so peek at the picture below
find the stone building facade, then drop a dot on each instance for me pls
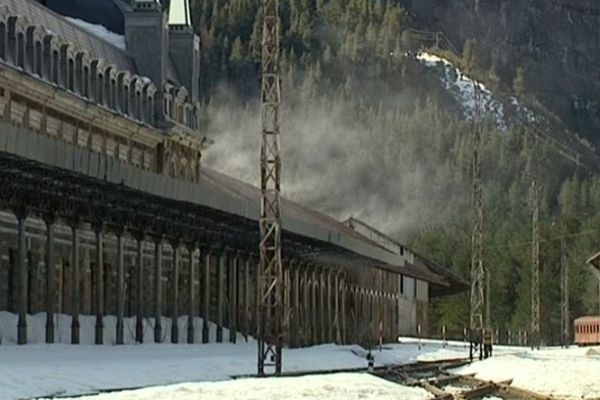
(107, 212)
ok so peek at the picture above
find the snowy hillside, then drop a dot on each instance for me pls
(462, 89)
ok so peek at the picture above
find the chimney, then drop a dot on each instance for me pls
(147, 39)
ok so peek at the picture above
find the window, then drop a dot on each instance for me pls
(3, 40)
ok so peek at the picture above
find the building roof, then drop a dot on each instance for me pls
(587, 319)
(55, 23)
(418, 267)
(179, 13)
(220, 208)
(100, 12)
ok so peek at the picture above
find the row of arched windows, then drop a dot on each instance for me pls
(39, 52)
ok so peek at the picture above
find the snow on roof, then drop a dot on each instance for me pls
(100, 31)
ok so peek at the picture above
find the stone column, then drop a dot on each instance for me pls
(120, 286)
(158, 289)
(233, 265)
(206, 302)
(75, 281)
(313, 307)
(257, 317)
(247, 298)
(322, 323)
(99, 333)
(343, 310)
(295, 320)
(22, 268)
(192, 297)
(330, 316)
(175, 293)
(220, 295)
(139, 320)
(286, 302)
(50, 279)
(336, 309)
(305, 315)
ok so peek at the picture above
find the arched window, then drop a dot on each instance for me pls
(20, 51)
(85, 88)
(107, 95)
(39, 59)
(29, 63)
(55, 67)
(11, 41)
(123, 87)
(113, 92)
(70, 74)
(3, 40)
(80, 77)
(184, 172)
(173, 168)
(100, 89)
(96, 81)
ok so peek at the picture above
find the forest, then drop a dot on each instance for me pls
(368, 131)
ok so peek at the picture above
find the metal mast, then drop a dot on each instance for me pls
(477, 271)
(564, 291)
(535, 266)
(270, 333)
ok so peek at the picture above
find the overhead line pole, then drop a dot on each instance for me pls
(476, 327)
(534, 336)
(270, 326)
(564, 290)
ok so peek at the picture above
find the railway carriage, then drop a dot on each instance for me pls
(587, 330)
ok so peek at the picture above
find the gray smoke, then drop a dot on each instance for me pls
(335, 164)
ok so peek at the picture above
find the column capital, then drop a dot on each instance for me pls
(98, 227)
(175, 242)
(21, 212)
(157, 238)
(119, 230)
(192, 246)
(49, 218)
(74, 221)
(139, 235)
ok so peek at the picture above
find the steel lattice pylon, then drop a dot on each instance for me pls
(477, 271)
(270, 333)
(564, 290)
(535, 266)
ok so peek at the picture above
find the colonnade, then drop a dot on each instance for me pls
(217, 284)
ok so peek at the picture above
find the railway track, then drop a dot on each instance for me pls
(444, 385)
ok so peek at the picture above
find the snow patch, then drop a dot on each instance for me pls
(563, 373)
(330, 387)
(462, 88)
(36, 328)
(101, 31)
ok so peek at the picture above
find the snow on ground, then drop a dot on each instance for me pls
(38, 370)
(330, 387)
(61, 369)
(462, 89)
(43, 370)
(36, 331)
(566, 373)
(100, 31)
